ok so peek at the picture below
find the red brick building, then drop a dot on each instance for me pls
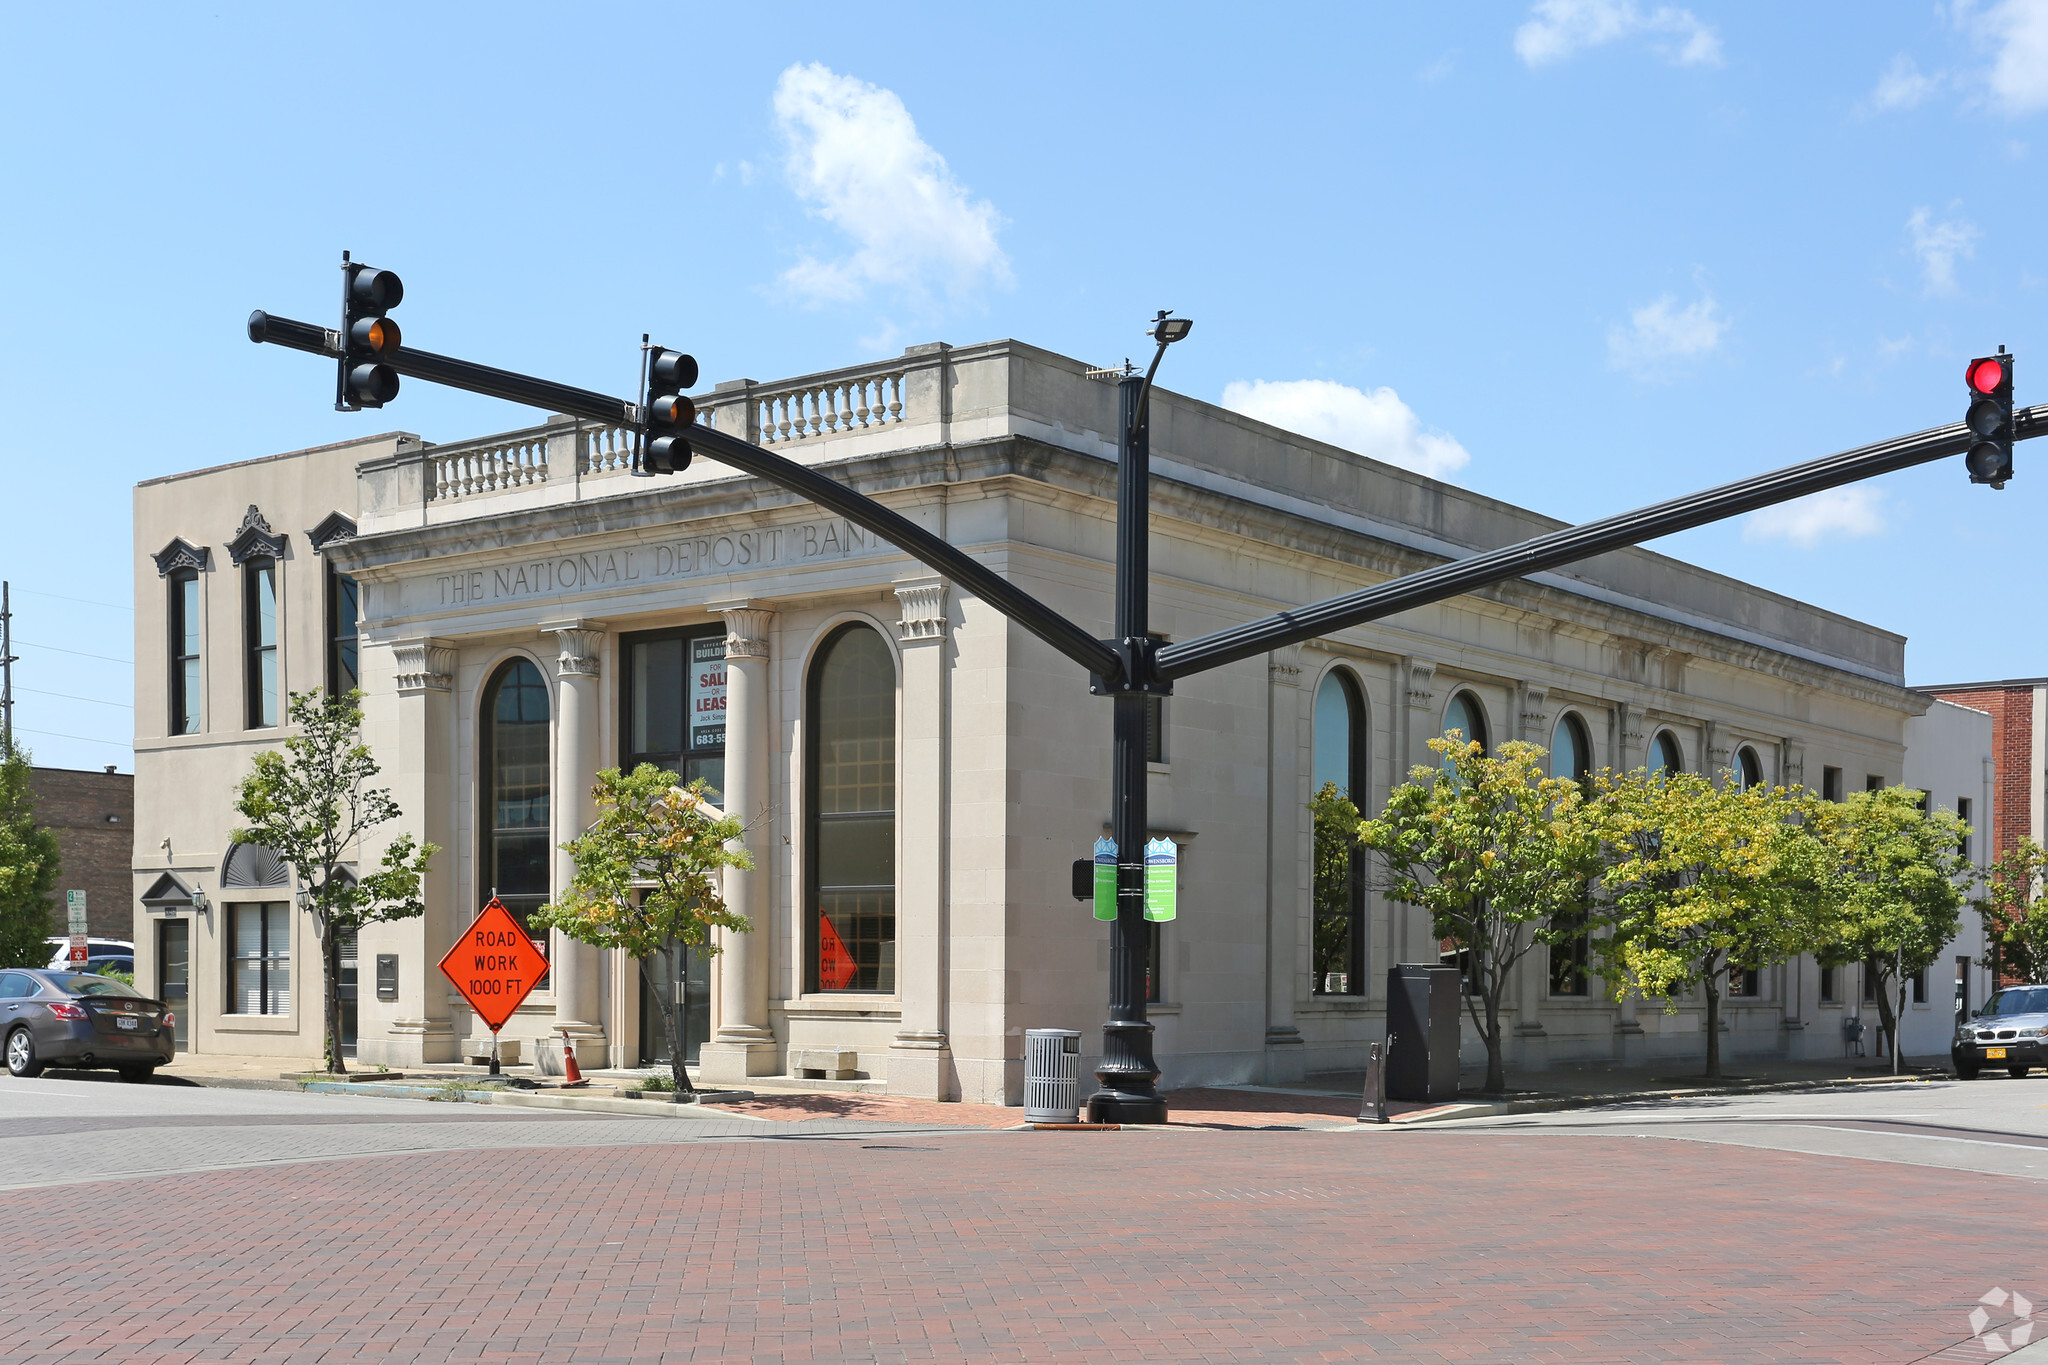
(93, 817)
(2018, 708)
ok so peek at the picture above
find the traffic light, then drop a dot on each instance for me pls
(666, 412)
(1990, 418)
(368, 338)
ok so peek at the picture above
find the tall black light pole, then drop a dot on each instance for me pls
(1128, 1072)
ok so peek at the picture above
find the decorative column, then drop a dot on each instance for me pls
(741, 1043)
(1288, 871)
(1424, 723)
(424, 1029)
(574, 967)
(921, 1059)
(1716, 756)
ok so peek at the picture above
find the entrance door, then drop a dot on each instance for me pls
(696, 1005)
(174, 975)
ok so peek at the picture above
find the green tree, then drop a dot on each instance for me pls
(1336, 842)
(1701, 880)
(646, 882)
(310, 806)
(28, 868)
(1498, 854)
(1895, 889)
(2015, 913)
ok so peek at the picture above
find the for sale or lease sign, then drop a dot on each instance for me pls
(495, 965)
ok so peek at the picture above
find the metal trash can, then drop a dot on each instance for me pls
(1052, 1075)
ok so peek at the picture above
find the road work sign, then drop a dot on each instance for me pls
(495, 965)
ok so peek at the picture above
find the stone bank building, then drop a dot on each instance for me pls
(917, 773)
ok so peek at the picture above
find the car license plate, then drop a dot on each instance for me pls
(1994, 1054)
(130, 1021)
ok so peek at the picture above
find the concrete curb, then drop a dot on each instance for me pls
(1454, 1112)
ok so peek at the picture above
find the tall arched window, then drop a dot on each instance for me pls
(1571, 755)
(515, 780)
(1749, 769)
(1665, 755)
(1464, 714)
(851, 813)
(1339, 951)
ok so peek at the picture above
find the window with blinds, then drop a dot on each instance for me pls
(259, 973)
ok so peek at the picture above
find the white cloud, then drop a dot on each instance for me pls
(855, 158)
(1559, 28)
(1938, 245)
(2018, 29)
(1837, 513)
(1902, 86)
(1660, 332)
(1375, 423)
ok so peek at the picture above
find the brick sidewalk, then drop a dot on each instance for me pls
(1189, 1108)
(1309, 1247)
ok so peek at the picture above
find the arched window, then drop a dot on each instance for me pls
(514, 826)
(1665, 755)
(1571, 755)
(1464, 714)
(851, 813)
(1339, 952)
(1749, 769)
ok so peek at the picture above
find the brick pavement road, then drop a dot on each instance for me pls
(792, 1243)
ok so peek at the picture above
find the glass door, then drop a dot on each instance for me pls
(696, 1005)
(174, 975)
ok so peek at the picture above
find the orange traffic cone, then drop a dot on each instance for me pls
(574, 1074)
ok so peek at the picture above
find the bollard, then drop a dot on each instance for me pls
(1375, 1109)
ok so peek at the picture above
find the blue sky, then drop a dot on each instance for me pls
(1580, 254)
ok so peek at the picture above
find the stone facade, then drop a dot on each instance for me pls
(537, 549)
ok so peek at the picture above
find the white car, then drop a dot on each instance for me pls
(60, 950)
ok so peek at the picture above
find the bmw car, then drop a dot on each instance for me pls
(75, 1019)
(2010, 1031)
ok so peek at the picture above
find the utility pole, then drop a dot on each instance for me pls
(6, 671)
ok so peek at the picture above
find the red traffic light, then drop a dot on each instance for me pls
(1986, 375)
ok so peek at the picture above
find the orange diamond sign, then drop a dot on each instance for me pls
(495, 965)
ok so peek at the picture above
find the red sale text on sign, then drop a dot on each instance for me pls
(495, 965)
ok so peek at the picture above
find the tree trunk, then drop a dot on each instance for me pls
(1885, 1019)
(1713, 1026)
(330, 968)
(1496, 1068)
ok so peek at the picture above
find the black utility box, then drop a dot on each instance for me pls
(1422, 1032)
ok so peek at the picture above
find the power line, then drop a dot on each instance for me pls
(66, 696)
(89, 739)
(82, 601)
(80, 653)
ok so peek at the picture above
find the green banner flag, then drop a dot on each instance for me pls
(1105, 879)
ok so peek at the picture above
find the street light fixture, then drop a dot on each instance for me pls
(1128, 1072)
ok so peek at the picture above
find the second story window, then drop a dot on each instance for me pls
(343, 604)
(259, 635)
(184, 614)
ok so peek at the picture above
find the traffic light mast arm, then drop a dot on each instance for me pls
(906, 535)
(1574, 543)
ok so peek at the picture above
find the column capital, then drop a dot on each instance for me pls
(922, 607)
(746, 628)
(581, 643)
(1535, 712)
(424, 665)
(1283, 666)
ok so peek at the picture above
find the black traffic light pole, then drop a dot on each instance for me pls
(1128, 668)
